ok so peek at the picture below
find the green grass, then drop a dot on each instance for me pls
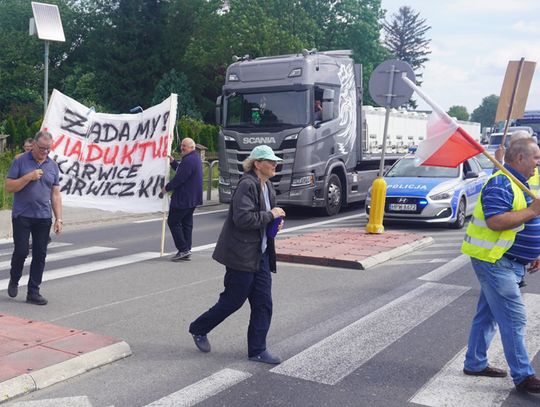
(6, 199)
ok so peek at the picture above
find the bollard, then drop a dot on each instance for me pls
(376, 213)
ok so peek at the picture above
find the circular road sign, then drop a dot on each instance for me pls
(386, 86)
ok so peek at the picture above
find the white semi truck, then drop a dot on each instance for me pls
(330, 157)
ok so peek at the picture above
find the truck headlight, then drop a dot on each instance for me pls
(303, 181)
(442, 195)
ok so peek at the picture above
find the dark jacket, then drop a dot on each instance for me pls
(187, 183)
(239, 243)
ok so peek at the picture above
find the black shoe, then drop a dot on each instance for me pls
(522, 283)
(36, 299)
(13, 289)
(181, 255)
(531, 385)
(266, 357)
(488, 372)
(201, 341)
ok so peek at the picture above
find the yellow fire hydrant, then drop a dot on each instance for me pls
(376, 212)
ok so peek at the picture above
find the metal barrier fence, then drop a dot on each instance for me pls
(209, 177)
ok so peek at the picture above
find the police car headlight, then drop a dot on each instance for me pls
(442, 195)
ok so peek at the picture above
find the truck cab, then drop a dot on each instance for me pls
(307, 108)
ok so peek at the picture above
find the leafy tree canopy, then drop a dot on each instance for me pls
(459, 112)
(485, 113)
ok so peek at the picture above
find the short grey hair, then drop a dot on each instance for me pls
(522, 146)
(43, 134)
(519, 135)
(190, 142)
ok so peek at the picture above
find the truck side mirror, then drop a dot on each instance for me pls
(327, 111)
(328, 105)
(218, 109)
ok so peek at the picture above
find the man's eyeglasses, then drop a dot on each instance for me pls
(43, 149)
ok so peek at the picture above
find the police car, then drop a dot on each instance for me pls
(432, 194)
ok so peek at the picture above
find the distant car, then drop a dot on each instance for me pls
(496, 138)
(431, 194)
(486, 164)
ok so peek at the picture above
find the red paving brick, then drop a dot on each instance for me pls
(340, 247)
(27, 346)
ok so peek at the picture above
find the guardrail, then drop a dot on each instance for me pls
(209, 177)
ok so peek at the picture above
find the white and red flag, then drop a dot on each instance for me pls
(446, 144)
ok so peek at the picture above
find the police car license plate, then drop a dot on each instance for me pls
(402, 207)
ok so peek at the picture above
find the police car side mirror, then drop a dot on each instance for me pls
(471, 174)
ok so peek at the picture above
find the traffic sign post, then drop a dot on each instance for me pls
(387, 89)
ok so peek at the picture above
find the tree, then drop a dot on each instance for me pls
(485, 113)
(173, 82)
(459, 112)
(405, 38)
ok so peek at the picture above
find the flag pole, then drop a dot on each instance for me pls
(171, 127)
(466, 135)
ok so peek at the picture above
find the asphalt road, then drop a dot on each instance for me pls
(387, 336)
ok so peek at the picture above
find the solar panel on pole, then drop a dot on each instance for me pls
(48, 25)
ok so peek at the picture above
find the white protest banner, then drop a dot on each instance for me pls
(113, 162)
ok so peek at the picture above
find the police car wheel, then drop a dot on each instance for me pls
(460, 216)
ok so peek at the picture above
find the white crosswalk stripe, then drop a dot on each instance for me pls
(69, 254)
(52, 245)
(74, 270)
(451, 388)
(203, 389)
(338, 355)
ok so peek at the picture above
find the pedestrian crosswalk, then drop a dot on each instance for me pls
(330, 361)
(95, 258)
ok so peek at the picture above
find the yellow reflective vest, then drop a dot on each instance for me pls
(534, 183)
(485, 244)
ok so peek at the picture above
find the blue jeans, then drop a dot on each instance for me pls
(180, 223)
(39, 229)
(500, 303)
(239, 287)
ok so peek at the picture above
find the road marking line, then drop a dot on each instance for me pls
(431, 252)
(336, 356)
(85, 251)
(417, 261)
(203, 389)
(195, 214)
(456, 244)
(50, 246)
(89, 267)
(446, 269)
(451, 388)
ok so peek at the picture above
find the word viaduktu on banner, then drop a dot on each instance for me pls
(115, 162)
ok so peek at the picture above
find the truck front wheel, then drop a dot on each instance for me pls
(333, 195)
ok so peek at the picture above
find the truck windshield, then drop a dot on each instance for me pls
(406, 167)
(268, 109)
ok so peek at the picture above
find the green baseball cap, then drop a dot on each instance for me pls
(263, 153)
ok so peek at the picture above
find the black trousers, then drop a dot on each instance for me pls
(180, 223)
(239, 287)
(23, 227)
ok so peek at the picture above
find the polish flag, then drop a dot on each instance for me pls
(447, 144)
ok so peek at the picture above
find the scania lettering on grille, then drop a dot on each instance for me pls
(258, 140)
(408, 186)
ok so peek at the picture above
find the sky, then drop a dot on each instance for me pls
(471, 44)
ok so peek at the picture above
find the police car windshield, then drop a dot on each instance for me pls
(267, 109)
(406, 167)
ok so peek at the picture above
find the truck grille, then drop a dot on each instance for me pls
(282, 180)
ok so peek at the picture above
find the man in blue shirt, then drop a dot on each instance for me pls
(503, 240)
(34, 180)
(187, 194)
